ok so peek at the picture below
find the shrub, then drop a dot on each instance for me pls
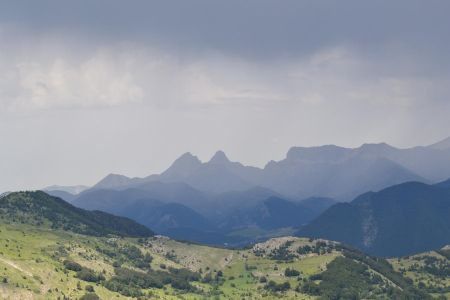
(72, 266)
(277, 287)
(89, 288)
(90, 296)
(89, 275)
(291, 273)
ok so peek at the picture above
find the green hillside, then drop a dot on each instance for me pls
(41, 258)
(40, 209)
(40, 263)
(430, 271)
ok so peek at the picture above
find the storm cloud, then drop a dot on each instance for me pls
(93, 87)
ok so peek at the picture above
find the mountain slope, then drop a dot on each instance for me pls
(403, 219)
(179, 211)
(66, 196)
(333, 172)
(430, 271)
(441, 145)
(115, 182)
(317, 205)
(218, 175)
(38, 263)
(270, 214)
(162, 215)
(41, 209)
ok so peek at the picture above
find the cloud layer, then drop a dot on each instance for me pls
(105, 86)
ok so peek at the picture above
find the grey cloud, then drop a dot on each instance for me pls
(253, 28)
(93, 87)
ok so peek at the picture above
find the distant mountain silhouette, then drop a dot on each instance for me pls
(72, 189)
(400, 220)
(323, 171)
(116, 182)
(217, 175)
(142, 206)
(66, 196)
(441, 145)
(180, 211)
(225, 196)
(337, 173)
(65, 190)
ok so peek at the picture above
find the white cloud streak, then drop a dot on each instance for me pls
(125, 75)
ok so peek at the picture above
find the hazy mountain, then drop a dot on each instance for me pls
(332, 171)
(41, 209)
(152, 206)
(109, 200)
(224, 195)
(343, 173)
(442, 145)
(317, 205)
(324, 171)
(222, 205)
(269, 214)
(66, 196)
(403, 219)
(74, 189)
(217, 175)
(183, 167)
(116, 182)
(169, 218)
(430, 163)
(182, 212)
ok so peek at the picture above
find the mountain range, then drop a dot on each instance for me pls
(400, 220)
(225, 202)
(179, 211)
(325, 171)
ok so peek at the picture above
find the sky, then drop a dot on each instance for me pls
(89, 88)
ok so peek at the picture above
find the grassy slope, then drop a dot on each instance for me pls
(406, 265)
(31, 258)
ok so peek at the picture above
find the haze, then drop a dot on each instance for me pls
(89, 88)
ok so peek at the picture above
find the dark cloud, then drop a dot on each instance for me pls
(252, 28)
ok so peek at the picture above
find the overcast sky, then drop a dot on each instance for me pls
(89, 88)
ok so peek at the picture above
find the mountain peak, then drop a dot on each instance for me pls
(219, 158)
(376, 146)
(183, 165)
(187, 158)
(112, 181)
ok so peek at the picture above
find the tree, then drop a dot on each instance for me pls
(90, 296)
(89, 288)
